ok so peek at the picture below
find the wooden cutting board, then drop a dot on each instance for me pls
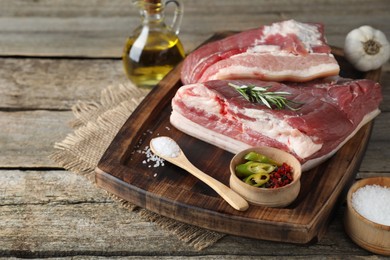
(171, 192)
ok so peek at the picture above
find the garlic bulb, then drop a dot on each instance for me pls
(366, 48)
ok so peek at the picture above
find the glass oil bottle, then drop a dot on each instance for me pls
(154, 48)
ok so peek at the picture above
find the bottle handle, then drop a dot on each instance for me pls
(177, 16)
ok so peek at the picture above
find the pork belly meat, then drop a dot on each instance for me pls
(330, 114)
(287, 50)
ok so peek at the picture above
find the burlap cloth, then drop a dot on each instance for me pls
(95, 125)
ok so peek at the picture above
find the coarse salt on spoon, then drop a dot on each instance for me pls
(169, 150)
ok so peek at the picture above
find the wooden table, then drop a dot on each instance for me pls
(54, 53)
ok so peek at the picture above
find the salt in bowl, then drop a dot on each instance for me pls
(369, 235)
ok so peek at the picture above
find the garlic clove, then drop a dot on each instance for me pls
(366, 32)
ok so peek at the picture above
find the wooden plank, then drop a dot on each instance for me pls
(58, 213)
(104, 8)
(30, 84)
(27, 138)
(24, 85)
(48, 187)
(55, 84)
(385, 83)
(54, 221)
(22, 147)
(99, 29)
(377, 151)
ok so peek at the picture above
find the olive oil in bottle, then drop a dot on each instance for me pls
(154, 49)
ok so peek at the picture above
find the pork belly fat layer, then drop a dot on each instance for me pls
(272, 67)
(267, 48)
(331, 112)
(250, 125)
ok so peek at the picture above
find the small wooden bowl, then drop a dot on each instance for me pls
(369, 235)
(279, 197)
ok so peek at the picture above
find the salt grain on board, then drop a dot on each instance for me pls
(151, 158)
(372, 202)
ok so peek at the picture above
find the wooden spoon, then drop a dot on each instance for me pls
(169, 150)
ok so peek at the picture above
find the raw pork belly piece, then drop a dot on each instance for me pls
(284, 51)
(331, 113)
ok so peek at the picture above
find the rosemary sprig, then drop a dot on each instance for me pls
(272, 99)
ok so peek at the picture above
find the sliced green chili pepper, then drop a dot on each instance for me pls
(249, 168)
(253, 156)
(257, 179)
(246, 169)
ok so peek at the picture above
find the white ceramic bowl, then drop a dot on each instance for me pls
(277, 197)
(369, 235)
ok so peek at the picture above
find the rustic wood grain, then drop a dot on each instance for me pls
(50, 212)
(20, 149)
(99, 28)
(30, 89)
(27, 137)
(55, 84)
(43, 214)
